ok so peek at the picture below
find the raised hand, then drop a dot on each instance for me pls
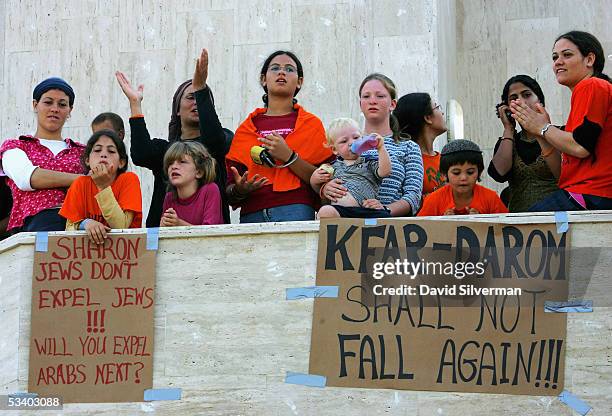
(135, 96)
(200, 75)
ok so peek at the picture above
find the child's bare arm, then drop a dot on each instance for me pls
(384, 161)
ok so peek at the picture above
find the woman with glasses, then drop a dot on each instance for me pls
(276, 150)
(422, 120)
(400, 192)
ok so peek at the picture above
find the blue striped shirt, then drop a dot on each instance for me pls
(406, 179)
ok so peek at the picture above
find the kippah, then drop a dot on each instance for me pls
(460, 145)
(53, 83)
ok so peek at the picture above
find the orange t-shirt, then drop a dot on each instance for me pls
(80, 202)
(484, 200)
(432, 177)
(592, 101)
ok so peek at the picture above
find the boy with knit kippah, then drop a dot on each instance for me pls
(461, 162)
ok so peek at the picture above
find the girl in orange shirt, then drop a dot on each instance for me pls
(107, 198)
(461, 162)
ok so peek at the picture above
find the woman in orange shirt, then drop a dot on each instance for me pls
(585, 143)
(277, 189)
(109, 197)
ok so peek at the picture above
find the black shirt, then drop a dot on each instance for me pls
(149, 153)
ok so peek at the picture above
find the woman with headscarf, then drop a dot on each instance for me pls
(193, 118)
(41, 167)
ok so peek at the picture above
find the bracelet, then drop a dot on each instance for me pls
(548, 152)
(505, 138)
(292, 158)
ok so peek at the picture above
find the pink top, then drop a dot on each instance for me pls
(28, 203)
(201, 208)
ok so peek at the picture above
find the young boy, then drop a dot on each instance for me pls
(362, 177)
(461, 162)
(109, 121)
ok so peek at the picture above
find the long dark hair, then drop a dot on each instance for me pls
(587, 43)
(392, 90)
(411, 111)
(266, 65)
(527, 81)
(116, 141)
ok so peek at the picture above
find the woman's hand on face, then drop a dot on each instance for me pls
(134, 95)
(96, 231)
(334, 190)
(244, 185)
(372, 204)
(277, 147)
(533, 121)
(509, 124)
(103, 175)
(200, 75)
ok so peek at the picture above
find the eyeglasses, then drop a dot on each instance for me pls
(290, 69)
(438, 107)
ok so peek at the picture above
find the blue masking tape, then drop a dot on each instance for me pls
(152, 238)
(42, 241)
(162, 394)
(574, 402)
(571, 306)
(294, 293)
(311, 380)
(370, 221)
(23, 394)
(562, 222)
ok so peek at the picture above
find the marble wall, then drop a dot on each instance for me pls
(156, 42)
(226, 336)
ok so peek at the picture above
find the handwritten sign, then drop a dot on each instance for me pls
(442, 306)
(92, 319)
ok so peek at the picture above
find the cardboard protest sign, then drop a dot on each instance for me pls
(441, 305)
(92, 319)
